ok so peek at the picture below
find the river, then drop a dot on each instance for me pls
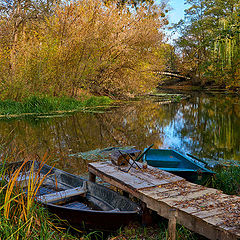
(205, 125)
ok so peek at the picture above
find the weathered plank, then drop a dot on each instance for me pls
(225, 221)
(207, 203)
(178, 199)
(123, 177)
(174, 189)
(205, 228)
(153, 172)
(192, 222)
(146, 180)
(203, 210)
(155, 179)
(116, 182)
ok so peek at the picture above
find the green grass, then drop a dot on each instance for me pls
(158, 231)
(227, 179)
(40, 105)
(39, 224)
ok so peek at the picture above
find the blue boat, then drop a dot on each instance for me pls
(178, 164)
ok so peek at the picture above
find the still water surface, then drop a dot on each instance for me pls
(205, 125)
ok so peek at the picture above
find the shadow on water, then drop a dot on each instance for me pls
(204, 125)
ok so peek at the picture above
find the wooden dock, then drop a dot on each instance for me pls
(203, 210)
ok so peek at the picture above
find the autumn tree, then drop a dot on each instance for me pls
(208, 27)
(77, 45)
(16, 14)
(129, 3)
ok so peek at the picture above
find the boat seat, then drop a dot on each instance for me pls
(53, 197)
(164, 162)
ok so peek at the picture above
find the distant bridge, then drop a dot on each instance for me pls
(171, 74)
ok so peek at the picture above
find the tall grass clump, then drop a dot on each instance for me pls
(39, 104)
(35, 104)
(20, 216)
(97, 101)
(227, 179)
(10, 107)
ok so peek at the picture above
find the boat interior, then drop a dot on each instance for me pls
(70, 191)
(168, 160)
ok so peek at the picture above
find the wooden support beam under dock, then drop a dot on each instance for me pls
(203, 210)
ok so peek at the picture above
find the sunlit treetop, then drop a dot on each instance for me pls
(30, 8)
(132, 3)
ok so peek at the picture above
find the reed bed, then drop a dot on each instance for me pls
(21, 217)
(44, 104)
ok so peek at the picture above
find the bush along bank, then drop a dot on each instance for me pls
(227, 179)
(45, 105)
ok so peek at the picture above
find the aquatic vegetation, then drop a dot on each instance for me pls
(43, 104)
(99, 154)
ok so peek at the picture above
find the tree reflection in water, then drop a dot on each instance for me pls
(207, 126)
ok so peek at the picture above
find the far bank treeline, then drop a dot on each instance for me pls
(210, 41)
(59, 48)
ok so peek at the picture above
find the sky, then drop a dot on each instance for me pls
(176, 14)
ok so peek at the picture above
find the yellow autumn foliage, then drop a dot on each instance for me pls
(83, 45)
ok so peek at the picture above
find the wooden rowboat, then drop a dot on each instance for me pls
(176, 163)
(82, 203)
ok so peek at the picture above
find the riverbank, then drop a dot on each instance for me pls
(37, 105)
(50, 107)
(178, 85)
(140, 125)
(22, 217)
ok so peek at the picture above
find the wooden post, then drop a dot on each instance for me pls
(125, 194)
(146, 215)
(92, 177)
(172, 222)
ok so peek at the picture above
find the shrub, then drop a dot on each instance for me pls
(228, 180)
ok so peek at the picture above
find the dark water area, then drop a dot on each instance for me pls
(207, 126)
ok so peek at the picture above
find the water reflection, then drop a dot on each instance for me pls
(208, 126)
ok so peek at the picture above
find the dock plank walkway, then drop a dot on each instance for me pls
(206, 211)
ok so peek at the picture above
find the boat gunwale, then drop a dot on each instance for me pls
(94, 211)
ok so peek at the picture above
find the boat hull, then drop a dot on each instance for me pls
(84, 204)
(178, 164)
(90, 220)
